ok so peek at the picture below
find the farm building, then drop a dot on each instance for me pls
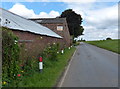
(58, 25)
(32, 35)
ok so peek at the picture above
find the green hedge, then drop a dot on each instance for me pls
(18, 73)
(10, 57)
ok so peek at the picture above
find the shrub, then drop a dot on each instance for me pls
(50, 52)
(76, 44)
(10, 57)
(30, 66)
(108, 38)
(74, 41)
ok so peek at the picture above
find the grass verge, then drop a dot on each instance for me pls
(50, 74)
(111, 45)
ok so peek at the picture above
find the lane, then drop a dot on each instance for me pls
(92, 67)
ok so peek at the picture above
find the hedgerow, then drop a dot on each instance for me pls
(10, 58)
(16, 69)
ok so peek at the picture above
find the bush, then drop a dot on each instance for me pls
(10, 57)
(74, 41)
(108, 38)
(50, 52)
(76, 44)
(29, 67)
(14, 69)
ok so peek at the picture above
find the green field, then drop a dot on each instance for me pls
(50, 75)
(111, 45)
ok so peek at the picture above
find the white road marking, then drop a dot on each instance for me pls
(62, 80)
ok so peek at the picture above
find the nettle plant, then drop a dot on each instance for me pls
(10, 58)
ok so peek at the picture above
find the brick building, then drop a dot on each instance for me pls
(32, 35)
(58, 25)
(35, 43)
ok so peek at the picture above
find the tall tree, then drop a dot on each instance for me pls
(74, 21)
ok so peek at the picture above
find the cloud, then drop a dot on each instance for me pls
(92, 33)
(81, 1)
(103, 18)
(54, 13)
(22, 10)
(29, 0)
(49, 15)
(36, 0)
(99, 21)
(86, 1)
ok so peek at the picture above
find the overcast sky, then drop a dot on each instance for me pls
(100, 19)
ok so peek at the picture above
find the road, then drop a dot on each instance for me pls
(91, 67)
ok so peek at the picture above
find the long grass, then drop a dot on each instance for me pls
(111, 45)
(50, 75)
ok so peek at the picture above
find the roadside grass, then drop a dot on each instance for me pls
(111, 45)
(50, 75)
(0, 79)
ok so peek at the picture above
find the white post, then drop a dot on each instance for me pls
(62, 51)
(40, 64)
(69, 48)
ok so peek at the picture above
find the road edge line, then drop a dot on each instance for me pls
(66, 70)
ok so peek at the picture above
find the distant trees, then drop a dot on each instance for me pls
(108, 38)
(81, 40)
(74, 21)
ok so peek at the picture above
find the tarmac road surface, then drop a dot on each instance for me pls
(91, 67)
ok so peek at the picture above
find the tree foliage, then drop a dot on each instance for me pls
(108, 38)
(74, 21)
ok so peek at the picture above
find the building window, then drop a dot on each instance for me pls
(59, 28)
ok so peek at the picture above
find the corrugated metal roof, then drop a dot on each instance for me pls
(14, 21)
(49, 20)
